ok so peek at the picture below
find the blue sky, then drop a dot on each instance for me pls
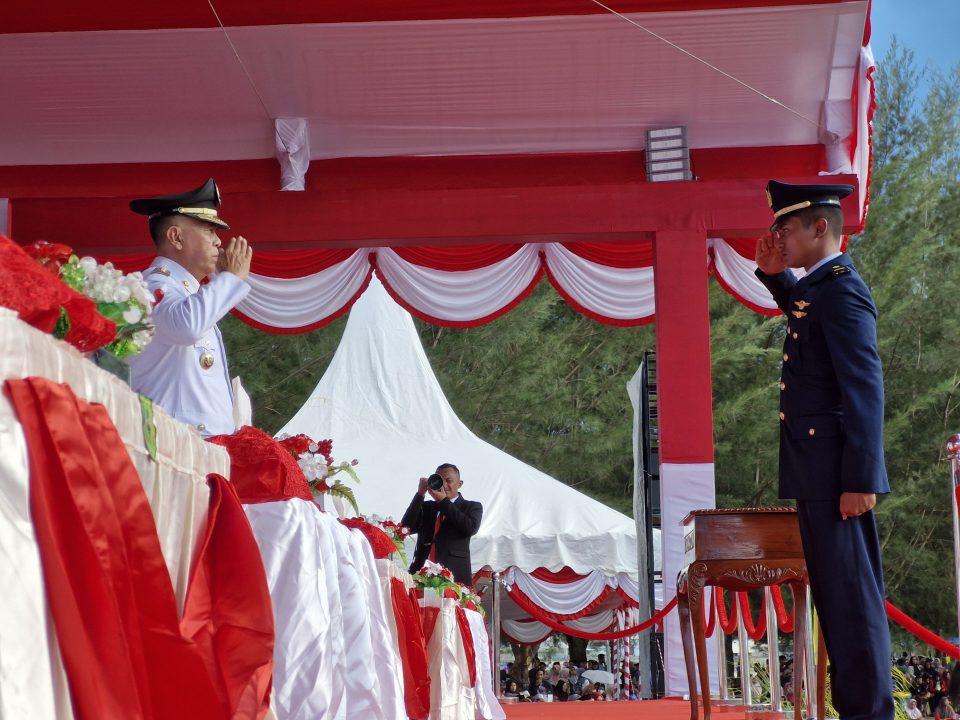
(927, 27)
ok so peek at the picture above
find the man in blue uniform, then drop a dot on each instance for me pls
(184, 368)
(831, 435)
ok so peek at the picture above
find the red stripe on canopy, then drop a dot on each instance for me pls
(619, 254)
(68, 16)
(456, 257)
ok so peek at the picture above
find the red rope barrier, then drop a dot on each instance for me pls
(754, 632)
(919, 631)
(537, 614)
(711, 617)
(784, 621)
(728, 625)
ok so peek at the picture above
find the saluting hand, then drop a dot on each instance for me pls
(236, 257)
(853, 504)
(769, 258)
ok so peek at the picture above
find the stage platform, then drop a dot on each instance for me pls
(670, 709)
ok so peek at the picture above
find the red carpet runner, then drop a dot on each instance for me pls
(644, 710)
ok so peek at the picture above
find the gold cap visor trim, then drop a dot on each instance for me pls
(205, 214)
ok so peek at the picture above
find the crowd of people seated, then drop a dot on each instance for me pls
(934, 687)
(560, 682)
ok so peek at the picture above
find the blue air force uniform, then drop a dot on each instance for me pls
(831, 442)
(184, 368)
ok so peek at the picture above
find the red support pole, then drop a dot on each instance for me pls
(685, 407)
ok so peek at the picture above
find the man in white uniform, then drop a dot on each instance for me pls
(184, 368)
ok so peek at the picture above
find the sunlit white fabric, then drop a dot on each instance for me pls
(560, 598)
(293, 151)
(527, 632)
(297, 302)
(451, 697)
(565, 84)
(595, 623)
(737, 272)
(300, 561)
(487, 707)
(31, 673)
(614, 293)
(382, 665)
(462, 296)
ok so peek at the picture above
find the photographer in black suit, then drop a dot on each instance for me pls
(444, 524)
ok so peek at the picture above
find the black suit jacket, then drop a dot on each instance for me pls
(461, 521)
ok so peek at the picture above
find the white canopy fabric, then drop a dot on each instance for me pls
(555, 83)
(380, 402)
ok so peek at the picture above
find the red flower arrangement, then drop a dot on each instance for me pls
(45, 302)
(395, 531)
(52, 256)
(435, 576)
(318, 466)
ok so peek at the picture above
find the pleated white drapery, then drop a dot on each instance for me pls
(468, 297)
(561, 598)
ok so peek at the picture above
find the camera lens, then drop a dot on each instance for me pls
(435, 482)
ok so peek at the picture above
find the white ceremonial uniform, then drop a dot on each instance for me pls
(184, 368)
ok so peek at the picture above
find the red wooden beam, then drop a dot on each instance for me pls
(364, 217)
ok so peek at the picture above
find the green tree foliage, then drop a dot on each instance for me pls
(910, 255)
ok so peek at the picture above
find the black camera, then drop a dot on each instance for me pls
(435, 482)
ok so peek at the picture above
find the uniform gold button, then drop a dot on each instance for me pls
(201, 427)
(788, 329)
(795, 336)
(786, 358)
(783, 386)
(811, 432)
(782, 416)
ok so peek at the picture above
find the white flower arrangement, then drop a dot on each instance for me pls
(124, 299)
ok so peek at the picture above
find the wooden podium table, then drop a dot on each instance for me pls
(739, 549)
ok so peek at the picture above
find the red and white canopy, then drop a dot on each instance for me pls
(510, 124)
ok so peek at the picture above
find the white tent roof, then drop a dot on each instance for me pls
(381, 403)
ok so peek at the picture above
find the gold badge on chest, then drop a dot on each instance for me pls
(797, 314)
(206, 359)
(802, 304)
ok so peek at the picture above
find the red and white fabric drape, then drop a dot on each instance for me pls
(562, 595)
(468, 285)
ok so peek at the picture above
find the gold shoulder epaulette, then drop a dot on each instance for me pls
(161, 269)
(840, 270)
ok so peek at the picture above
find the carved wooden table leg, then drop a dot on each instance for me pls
(799, 646)
(695, 583)
(683, 614)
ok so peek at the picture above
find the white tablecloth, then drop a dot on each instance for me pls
(31, 674)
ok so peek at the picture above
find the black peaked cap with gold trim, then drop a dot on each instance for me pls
(785, 198)
(200, 204)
